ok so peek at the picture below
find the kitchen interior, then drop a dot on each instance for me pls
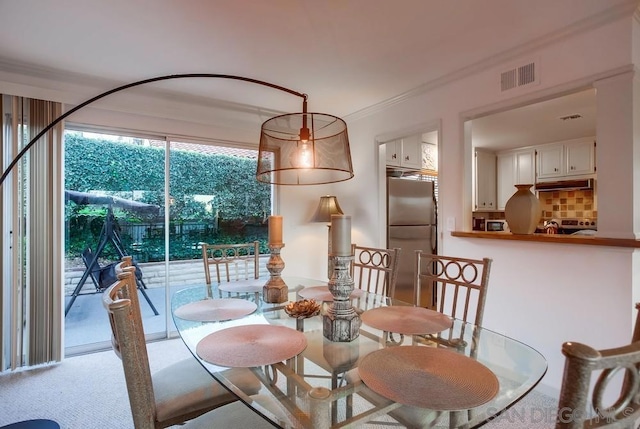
(412, 192)
(550, 145)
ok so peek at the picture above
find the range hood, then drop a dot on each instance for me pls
(565, 185)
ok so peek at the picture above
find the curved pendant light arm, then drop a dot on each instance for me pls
(60, 118)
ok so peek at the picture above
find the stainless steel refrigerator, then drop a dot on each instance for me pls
(411, 225)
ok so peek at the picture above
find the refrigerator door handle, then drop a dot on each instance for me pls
(434, 239)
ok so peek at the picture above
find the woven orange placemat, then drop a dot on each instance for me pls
(215, 310)
(407, 320)
(428, 377)
(251, 345)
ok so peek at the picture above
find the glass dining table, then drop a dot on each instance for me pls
(294, 377)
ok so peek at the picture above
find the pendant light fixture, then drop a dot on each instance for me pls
(304, 149)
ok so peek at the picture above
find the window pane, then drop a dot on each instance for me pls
(114, 206)
(216, 199)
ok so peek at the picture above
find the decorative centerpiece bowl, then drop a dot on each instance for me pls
(302, 309)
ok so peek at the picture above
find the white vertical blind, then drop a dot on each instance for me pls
(32, 236)
(44, 239)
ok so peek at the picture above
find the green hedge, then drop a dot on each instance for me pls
(241, 204)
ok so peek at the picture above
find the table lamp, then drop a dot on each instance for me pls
(328, 206)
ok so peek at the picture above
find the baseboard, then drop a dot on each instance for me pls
(547, 390)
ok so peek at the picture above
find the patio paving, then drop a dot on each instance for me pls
(87, 325)
(87, 321)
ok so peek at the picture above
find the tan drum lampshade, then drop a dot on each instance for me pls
(304, 149)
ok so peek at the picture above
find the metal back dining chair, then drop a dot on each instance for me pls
(237, 266)
(582, 362)
(173, 395)
(458, 288)
(375, 269)
(243, 257)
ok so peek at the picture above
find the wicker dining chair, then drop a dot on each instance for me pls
(582, 362)
(175, 394)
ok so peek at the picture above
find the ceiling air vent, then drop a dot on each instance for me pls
(570, 117)
(518, 76)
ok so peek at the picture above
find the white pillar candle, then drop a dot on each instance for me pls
(341, 235)
(275, 229)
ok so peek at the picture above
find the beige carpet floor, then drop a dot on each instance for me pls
(89, 391)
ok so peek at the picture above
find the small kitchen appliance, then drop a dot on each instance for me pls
(478, 224)
(496, 225)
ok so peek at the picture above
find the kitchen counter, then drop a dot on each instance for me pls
(550, 238)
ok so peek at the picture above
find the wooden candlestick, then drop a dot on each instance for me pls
(341, 322)
(275, 290)
(275, 229)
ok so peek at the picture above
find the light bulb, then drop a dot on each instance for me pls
(305, 157)
(302, 156)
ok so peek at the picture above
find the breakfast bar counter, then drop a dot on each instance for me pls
(551, 238)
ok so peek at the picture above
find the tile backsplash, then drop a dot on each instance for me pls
(564, 204)
(557, 205)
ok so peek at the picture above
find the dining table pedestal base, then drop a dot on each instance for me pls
(275, 290)
(341, 321)
(319, 404)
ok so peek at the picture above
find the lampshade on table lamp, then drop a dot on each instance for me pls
(328, 206)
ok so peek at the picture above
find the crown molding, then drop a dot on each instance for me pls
(50, 74)
(510, 55)
(79, 87)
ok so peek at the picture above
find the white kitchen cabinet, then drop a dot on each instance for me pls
(485, 180)
(581, 157)
(550, 161)
(412, 152)
(513, 168)
(569, 158)
(405, 152)
(506, 166)
(525, 167)
(394, 153)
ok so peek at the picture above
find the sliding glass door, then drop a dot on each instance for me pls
(128, 195)
(114, 206)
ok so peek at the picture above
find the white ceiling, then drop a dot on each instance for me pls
(347, 55)
(538, 123)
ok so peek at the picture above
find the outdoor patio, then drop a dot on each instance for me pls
(87, 322)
